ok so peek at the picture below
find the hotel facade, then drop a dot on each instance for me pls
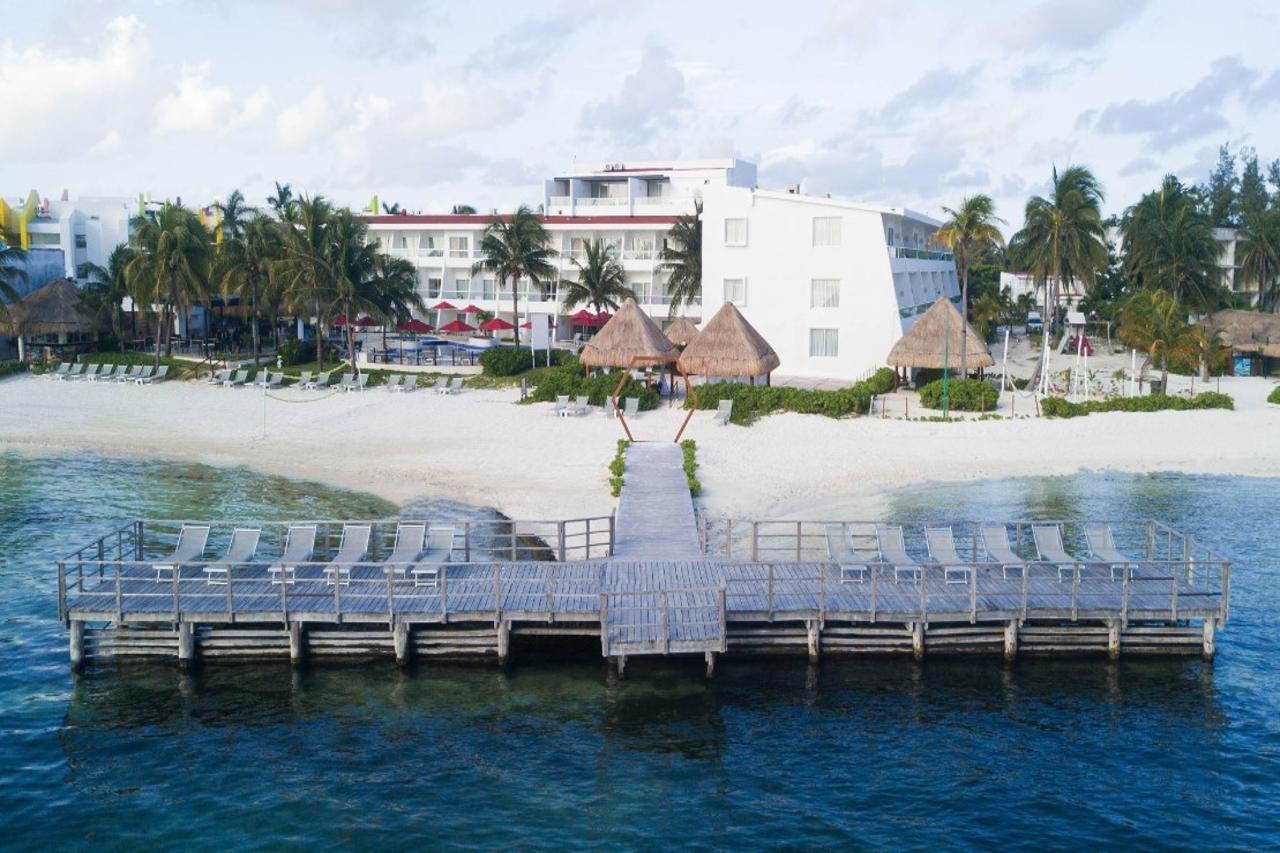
(831, 284)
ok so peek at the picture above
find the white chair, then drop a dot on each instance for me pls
(407, 548)
(1048, 539)
(241, 548)
(995, 541)
(352, 548)
(192, 539)
(942, 549)
(158, 376)
(853, 564)
(393, 382)
(299, 546)
(723, 412)
(439, 548)
(893, 549)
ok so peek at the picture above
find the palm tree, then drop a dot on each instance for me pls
(283, 202)
(349, 262)
(394, 291)
(988, 309)
(682, 260)
(969, 232)
(515, 249)
(1169, 245)
(601, 280)
(393, 209)
(303, 270)
(235, 214)
(170, 266)
(107, 288)
(13, 273)
(1062, 241)
(1154, 321)
(1259, 248)
(244, 265)
(463, 209)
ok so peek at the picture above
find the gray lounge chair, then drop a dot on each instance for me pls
(90, 372)
(107, 373)
(304, 378)
(439, 547)
(408, 383)
(1048, 539)
(192, 539)
(393, 381)
(723, 412)
(1102, 547)
(266, 380)
(241, 548)
(61, 372)
(76, 371)
(995, 541)
(441, 385)
(631, 407)
(321, 381)
(562, 403)
(455, 385)
(133, 373)
(409, 545)
(145, 373)
(299, 546)
(158, 376)
(854, 565)
(352, 549)
(218, 377)
(942, 549)
(236, 379)
(893, 550)
(347, 383)
(362, 382)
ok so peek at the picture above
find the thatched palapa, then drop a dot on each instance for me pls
(1247, 331)
(629, 337)
(728, 346)
(934, 341)
(681, 332)
(51, 310)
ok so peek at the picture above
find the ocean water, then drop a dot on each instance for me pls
(1048, 754)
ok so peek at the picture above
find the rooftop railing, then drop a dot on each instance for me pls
(919, 254)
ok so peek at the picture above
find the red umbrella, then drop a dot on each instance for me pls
(444, 306)
(583, 318)
(340, 320)
(415, 327)
(457, 326)
(497, 324)
(365, 322)
(471, 309)
(527, 324)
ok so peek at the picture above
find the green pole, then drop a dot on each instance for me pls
(946, 367)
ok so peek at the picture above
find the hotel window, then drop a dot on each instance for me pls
(490, 288)
(81, 242)
(577, 248)
(457, 247)
(824, 293)
(826, 231)
(459, 289)
(824, 343)
(735, 232)
(735, 291)
(433, 288)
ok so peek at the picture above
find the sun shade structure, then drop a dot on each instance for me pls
(934, 341)
(497, 324)
(1247, 331)
(361, 322)
(728, 346)
(681, 332)
(471, 309)
(585, 318)
(457, 327)
(51, 310)
(628, 339)
(444, 306)
(415, 327)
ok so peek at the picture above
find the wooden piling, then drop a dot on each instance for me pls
(504, 640)
(77, 645)
(711, 664)
(1113, 639)
(402, 642)
(814, 640)
(1011, 640)
(917, 640)
(186, 645)
(297, 644)
(1210, 625)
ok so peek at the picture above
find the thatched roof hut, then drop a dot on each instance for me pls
(728, 346)
(1247, 331)
(628, 335)
(51, 310)
(926, 344)
(681, 332)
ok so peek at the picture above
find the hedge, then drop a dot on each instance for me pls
(1274, 396)
(568, 380)
(510, 361)
(1057, 407)
(178, 368)
(754, 401)
(963, 395)
(689, 449)
(8, 368)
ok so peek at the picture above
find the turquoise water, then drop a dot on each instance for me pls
(1055, 754)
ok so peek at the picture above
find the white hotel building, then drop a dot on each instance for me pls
(830, 284)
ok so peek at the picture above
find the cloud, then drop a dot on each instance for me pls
(447, 108)
(1185, 115)
(644, 103)
(934, 88)
(1267, 92)
(196, 105)
(1038, 75)
(851, 166)
(795, 111)
(298, 123)
(109, 143)
(1070, 24)
(525, 44)
(1140, 166)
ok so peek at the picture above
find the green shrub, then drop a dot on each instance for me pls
(8, 368)
(293, 351)
(617, 467)
(963, 395)
(1020, 383)
(1056, 407)
(881, 382)
(505, 361)
(568, 380)
(1274, 396)
(753, 401)
(689, 449)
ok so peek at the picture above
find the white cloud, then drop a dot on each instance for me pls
(109, 143)
(1070, 24)
(445, 107)
(646, 101)
(298, 123)
(195, 104)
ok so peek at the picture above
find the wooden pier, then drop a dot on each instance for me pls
(653, 579)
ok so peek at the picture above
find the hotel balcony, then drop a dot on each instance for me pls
(907, 252)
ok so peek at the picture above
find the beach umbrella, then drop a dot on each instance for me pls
(527, 324)
(444, 306)
(935, 337)
(727, 346)
(415, 327)
(458, 327)
(364, 322)
(471, 309)
(340, 320)
(497, 324)
(681, 332)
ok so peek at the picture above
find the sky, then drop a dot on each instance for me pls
(429, 104)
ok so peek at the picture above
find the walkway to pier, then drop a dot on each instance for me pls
(655, 512)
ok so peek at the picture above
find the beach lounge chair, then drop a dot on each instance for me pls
(995, 541)
(455, 385)
(218, 377)
(942, 549)
(893, 550)
(241, 548)
(723, 412)
(133, 373)
(631, 407)
(562, 403)
(409, 544)
(348, 381)
(351, 549)
(320, 381)
(393, 382)
(1048, 539)
(61, 372)
(304, 379)
(439, 547)
(107, 373)
(407, 383)
(158, 376)
(235, 379)
(854, 565)
(90, 373)
(362, 381)
(441, 385)
(191, 541)
(144, 374)
(76, 371)
(1102, 547)
(299, 546)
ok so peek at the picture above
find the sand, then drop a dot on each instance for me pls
(482, 448)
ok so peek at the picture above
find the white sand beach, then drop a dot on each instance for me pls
(481, 447)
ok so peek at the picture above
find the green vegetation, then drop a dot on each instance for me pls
(681, 259)
(617, 467)
(689, 449)
(568, 379)
(515, 249)
(1274, 396)
(601, 282)
(1169, 246)
(970, 230)
(754, 401)
(9, 368)
(511, 361)
(963, 395)
(1057, 407)
(178, 368)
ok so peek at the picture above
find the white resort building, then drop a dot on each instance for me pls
(831, 284)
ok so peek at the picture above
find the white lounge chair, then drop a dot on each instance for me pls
(304, 378)
(361, 382)
(407, 548)
(1048, 539)
(439, 548)
(995, 541)
(90, 372)
(269, 380)
(133, 373)
(393, 381)
(562, 403)
(351, 549)
(455, 385)
(1102, 547)
(107, 373)
(299, 546)
(61, 372)
(408, 383)
(348, 381)
(942, 549)
(320, 381)
(236, 379)
(241, 548)
(74, 373)
(218, 377)
(158, 376)
(724, 411)
(893, 550)
(631, 407)
(192, 539)
(441, 385)
(854, 565)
